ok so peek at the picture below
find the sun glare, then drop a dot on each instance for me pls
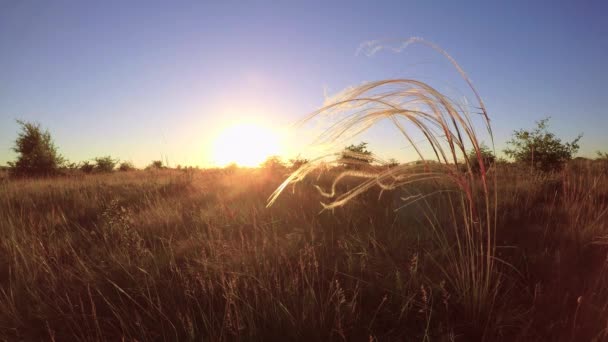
(246, 145)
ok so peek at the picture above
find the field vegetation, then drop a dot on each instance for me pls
(185, 255)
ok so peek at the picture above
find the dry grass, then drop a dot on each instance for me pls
(170, 255)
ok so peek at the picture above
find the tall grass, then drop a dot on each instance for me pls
(165, 255)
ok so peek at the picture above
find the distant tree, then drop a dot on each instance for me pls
(392, 162)
(71, 165)
(231, 168)
(487, 156)
(37, 154)
(541, 149)
(87, 167)
(156, 164)
(602, 160)
(273, 163)
(105, 164)
(126, 166)
(356, 155)
(297, 162)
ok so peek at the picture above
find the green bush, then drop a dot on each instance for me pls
(37, 154)
(105, 164)
(156, 164)
(126, 166)
(87, 167)
(487, 157)
(541, 149)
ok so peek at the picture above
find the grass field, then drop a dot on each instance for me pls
(196, 255)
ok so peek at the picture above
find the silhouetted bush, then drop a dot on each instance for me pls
(297, 162)
(105, 164)
(37, 154)
(273, 163)
(126, 166)
(541, 149)
(87, 167)
(156, 164)
(487, 157)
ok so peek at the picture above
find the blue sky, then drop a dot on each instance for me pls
(140, 80)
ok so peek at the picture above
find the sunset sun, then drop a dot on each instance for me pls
(246, 145)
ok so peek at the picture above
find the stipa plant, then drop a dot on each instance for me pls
(417, 109)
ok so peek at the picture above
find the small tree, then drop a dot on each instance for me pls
(126, 166)
(356, 155)
(297, 162)
(392, 162)
(37, 154)
(541, 149)
(487, 158)
(105, 164)
(87, 167)
(156, 164)
(231, 168)
(273, 163)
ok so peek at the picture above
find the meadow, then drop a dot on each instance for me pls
(197, 255)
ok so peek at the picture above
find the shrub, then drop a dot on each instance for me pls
(297, 162)
(126, 166)
(392, 162)
(541, 149)
(273, 163)
(156, 164)
(87, 167)
(105, 164)
(37, 154)
(487, 159)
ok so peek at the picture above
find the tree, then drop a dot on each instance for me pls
(87, 167)
(356, 155)
(105, 164)
(392, 162)
(273, 163)
(541, 149)
(37, 154)
(126, 166)
(297, 162)
(156, 164)
(487, 157)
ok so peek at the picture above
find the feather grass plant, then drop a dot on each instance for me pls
(416, 108)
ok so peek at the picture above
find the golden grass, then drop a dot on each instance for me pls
(168, 255)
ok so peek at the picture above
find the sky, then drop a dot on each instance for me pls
(145, 80)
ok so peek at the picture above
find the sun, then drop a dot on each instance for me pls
(246, 145)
